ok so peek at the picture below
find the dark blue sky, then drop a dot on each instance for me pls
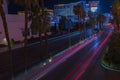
(104, 4)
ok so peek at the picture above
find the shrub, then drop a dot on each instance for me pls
(112, 57)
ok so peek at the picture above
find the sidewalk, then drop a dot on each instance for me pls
(46, 66)
(22, 44)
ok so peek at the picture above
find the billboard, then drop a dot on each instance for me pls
(94, 3)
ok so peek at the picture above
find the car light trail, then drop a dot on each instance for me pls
(62, 58)
(84, 68)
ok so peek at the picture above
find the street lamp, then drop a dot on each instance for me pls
(94, 9)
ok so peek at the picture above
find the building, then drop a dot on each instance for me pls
(94, 6)
(66, 9)
(15, 28)
(50, 12)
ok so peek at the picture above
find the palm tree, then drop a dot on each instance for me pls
(42, 4)
(84, 24)
(27, 4)
(3, 17)
(115, 9)
(41, 24)
(100, 20)
(46, 27)
(79, 11)
(5, 24)
(45, 23)
(92, 22)
(62, 23)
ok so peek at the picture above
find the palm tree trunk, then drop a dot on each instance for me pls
(69, 37)
(26, 22)
(101, 25)
(25, 39)
(79, 22)
(40, 37)
(7, 36)
(42, 4)
(5, 25)
(85, 34)
(46, 41)
(79, 27)
(118, 25)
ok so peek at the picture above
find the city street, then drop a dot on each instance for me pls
(84, 64)
(59, 40)
(55, 45)
(77, 63)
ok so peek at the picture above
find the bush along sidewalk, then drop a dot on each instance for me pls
(111, 59)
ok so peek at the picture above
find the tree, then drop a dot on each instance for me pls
(40, 24)
(80, 12)
(62, 23)
(46, 27)
(115, 9)
(112, 56)
(92, 22)
(27, 4)
(100, 19)
(84, 24)
(3, 17)
(5, 24)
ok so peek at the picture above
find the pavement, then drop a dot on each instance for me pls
(3, 49)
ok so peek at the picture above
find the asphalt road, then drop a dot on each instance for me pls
(74, 65)
(97, 72)
(34, 54)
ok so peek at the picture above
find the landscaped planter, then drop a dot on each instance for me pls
(111, 59)
(110, 67)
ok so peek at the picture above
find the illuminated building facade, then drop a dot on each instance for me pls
(94, 6)
(66, 9)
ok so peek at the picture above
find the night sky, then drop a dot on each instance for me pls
(104, 5)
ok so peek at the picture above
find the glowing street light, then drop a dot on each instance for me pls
(94, 9)
(50, 60)
(44, 64)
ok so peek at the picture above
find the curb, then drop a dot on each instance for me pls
(109, 68)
